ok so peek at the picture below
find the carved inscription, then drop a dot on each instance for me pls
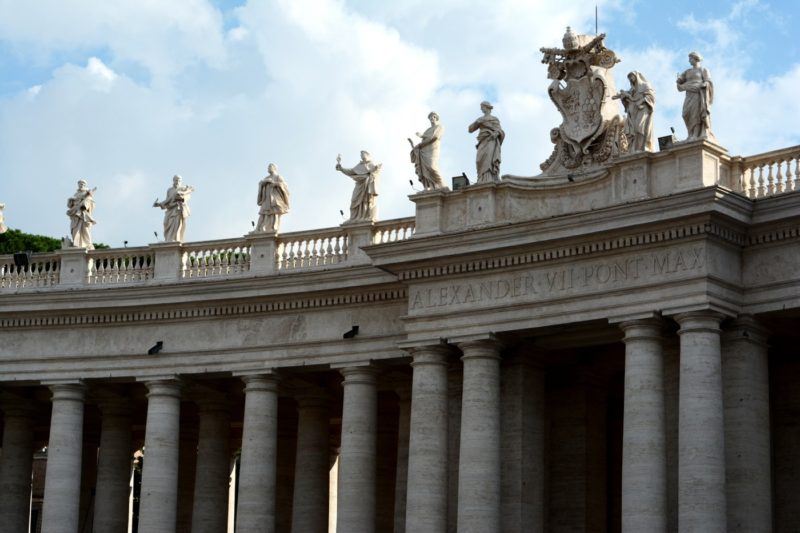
(619, 272)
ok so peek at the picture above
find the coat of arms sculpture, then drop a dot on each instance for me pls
(592, 131)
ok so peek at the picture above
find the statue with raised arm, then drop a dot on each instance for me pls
(639, 104)
(80, 207)
(696, 83)
(3, 227)
(490, 138)
(176, 210)
(365, 174)
(425, 154)
(273, 201)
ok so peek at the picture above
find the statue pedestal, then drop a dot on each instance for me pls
(430, 206)
(74, 267)
(262, 252)
(359, 234)
(168, 261)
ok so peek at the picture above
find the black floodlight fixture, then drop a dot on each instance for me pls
(460, 182)
(155, 349)
(352, 333)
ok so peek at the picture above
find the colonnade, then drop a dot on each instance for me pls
(723, 462)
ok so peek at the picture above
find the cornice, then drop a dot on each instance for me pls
(200, 312)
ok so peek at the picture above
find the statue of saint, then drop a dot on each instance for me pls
(176, 209)
(490, 139)
(3, 227)
(425, 154)
(273, 200)
(365, 174)
(639, 104)
(696, 83)
(79, 210)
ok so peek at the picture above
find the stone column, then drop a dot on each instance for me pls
(745, 381)
(255, 512)
(62, 486)
(701, 437)
(357, 461)
(401, 471)
(113, 468)
(159, 495)
(310, 507)
(187, 466)
(644, 455)
(479, 456)
(212, 475)
(426, 501)
(16, 461)
(455, 381)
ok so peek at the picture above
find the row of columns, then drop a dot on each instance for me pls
(723, 451)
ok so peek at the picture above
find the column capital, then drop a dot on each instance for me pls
(482, 348)
(359, 375)
(164, 387)
(267, 382)
(435, 354)
(746, 328)
(74, 391)
(699, 321)
(642, 329)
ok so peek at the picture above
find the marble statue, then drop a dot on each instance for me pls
(696, 83)
(365, 174)
(80, 207)
(490, 138)
(176, 209)
(592, 130)
(639, 104)
(425, 154)
(3, 227)
(273, 200)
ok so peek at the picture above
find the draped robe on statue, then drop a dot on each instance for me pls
(697, 104)
(426, 158)
(273, 197)
(79, 210)
(639, 103)
(490, 139)
(176, 213)
(362, 203)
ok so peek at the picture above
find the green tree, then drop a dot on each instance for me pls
(14, 240)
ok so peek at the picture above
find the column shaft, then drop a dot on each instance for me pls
(113, 470)
(310, 507)
(401, 477)
(257, 474)
(357, 461)
(644, 455)
(701, 438)
(479, 456)
(745, 374)
(64, 448)
(426, 502)
(16, 462)
(210, 509)
(159, 495)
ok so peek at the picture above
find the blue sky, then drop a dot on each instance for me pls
(127, 93)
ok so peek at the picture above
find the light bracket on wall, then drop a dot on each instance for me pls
(155, 349)
(352, 333)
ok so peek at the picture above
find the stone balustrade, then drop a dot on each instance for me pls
(225, 258)
(215, 258)
(771, 173)
(42, 271)
(129, 265)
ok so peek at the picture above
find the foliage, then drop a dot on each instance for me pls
(14, 240)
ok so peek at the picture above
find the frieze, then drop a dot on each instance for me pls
(548, 283)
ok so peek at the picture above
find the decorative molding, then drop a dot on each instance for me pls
(208, 311)
(723, 232)
(773, 235)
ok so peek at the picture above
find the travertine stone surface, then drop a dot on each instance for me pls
(256, 506)
(745, 382)
(672, 367)
(113, 468)
(16, 461)
(63, 479)
(523, 444)
(357, 461)
(701, 433)
(210, 510)
(187, 467)
(401, 475)
(644, 459)
(454, 384)
(311, 467)
(159, 496)
(479, 458)
(426, 502)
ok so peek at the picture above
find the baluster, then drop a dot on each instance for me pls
(287, 249)
(327, 250)
(750, 191)
(770, 179)
(789, 181)
(796, 176)
(279, 256)
(762, 191)
(779, 184)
